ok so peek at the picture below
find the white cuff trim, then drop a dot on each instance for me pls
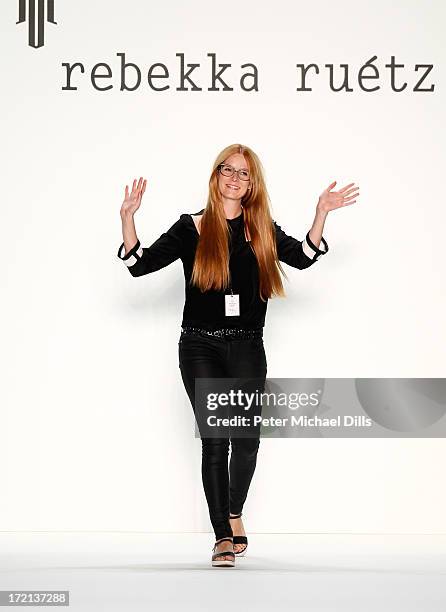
(310, 250)
(131, 261)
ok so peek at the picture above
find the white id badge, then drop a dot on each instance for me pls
(232, 307)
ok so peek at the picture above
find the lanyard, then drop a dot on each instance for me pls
(230, 275)
(231, 251)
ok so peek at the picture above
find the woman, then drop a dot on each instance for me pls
(231, 253)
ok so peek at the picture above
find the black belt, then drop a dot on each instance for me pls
(232, 332)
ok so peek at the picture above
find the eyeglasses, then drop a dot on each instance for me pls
(227, 170)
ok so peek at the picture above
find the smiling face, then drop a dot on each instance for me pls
(232, 187)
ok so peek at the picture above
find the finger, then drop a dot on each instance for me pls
(348, 203)
(141, 191)
(351, 197)
(345, 188)
(134, 185)
(144, 187)
(350, 191)
(139, 183)
(331, 186)
(126, 191)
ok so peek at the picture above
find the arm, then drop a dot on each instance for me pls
(315, 233)
(161, 253)
(128, 231)
(144, 260)
(303, 254)
(296, 253)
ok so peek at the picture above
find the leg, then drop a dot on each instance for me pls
(203, 358)
(248, 362)
(214, 472)
(241, 469)
(250, 365)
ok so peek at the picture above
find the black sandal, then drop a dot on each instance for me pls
(223, 562)
(239, 539)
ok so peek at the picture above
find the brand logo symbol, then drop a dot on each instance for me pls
(36, 19)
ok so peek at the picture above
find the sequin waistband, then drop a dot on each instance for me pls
(233, 332)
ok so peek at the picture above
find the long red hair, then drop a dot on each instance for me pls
(211, 265)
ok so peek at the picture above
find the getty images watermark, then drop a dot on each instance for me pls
(320, 407)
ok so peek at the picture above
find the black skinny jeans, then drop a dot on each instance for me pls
(213, 357)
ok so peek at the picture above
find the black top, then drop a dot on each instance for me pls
(207, 309)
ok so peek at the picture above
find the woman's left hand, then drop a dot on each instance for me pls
(330, 200)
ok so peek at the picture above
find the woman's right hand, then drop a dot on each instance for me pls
(132, 200)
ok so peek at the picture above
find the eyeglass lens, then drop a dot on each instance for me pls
(227, 170)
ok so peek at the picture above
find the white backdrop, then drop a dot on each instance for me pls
(97, 430)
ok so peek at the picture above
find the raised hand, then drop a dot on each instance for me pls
(132, 200)
(330, 200)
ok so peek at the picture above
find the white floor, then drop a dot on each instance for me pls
(140, 571)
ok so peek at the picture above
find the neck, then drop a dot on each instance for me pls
(232, 208)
